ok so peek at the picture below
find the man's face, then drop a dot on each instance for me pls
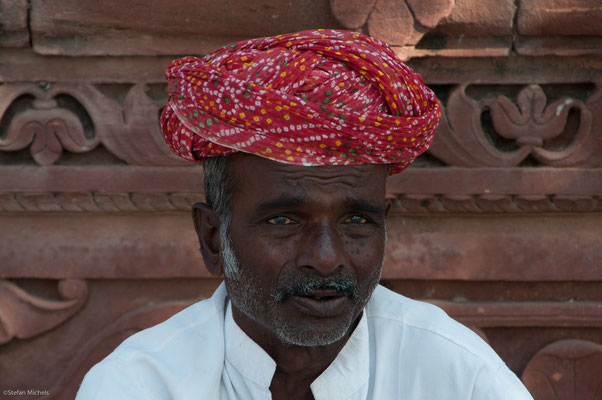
(309, 242)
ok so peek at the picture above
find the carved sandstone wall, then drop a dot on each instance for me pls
(500, 223)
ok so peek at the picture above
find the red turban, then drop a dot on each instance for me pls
(318, 97)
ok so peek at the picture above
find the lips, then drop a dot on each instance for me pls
(321, 303)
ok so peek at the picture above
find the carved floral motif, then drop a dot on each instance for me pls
(46, 129)
(23, 315)
(397, 22)
(131, 132)
(566, 370)
(529, 124)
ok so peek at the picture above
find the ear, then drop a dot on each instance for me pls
(206, 223)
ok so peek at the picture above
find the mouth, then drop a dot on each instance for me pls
(321, 302)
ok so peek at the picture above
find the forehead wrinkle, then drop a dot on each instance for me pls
(303, 179)
(273, 177)
(324, 197)
(311, 175)
(323, 172)
(344, 187)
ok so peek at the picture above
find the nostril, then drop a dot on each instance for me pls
(321, 268)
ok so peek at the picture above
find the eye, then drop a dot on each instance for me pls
(280, 220)
(356, 219)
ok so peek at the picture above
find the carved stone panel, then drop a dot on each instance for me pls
(72, 27)
(49, 119)
(23, 315)
(13, 23)
(499, 223)
(517, 130)
(566, 370)
(398, 22)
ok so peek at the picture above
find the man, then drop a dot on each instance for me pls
(298, 133)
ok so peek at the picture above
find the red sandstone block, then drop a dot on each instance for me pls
(13, 23)
(479, 18)
(392, 21)
(429, 13)
(560, 17)
(156, 27)
(558, 46)
(352, 13)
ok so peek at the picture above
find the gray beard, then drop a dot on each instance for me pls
(243, 290)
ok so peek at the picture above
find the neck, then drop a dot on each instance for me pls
(300, 363)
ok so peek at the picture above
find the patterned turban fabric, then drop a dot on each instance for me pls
(317, 97)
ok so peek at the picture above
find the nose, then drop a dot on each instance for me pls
(321, 249)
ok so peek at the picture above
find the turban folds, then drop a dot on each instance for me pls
(318, 97)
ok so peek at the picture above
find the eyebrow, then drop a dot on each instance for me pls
(285, 200)
(364, 206)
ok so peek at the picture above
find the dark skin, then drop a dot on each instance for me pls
(291, 220)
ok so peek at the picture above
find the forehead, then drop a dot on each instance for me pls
(259, 177)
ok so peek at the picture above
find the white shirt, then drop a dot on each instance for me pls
(401, 349)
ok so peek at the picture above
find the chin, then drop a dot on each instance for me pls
(311, 339)
(312, 331)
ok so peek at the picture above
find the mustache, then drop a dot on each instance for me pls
(307, 286)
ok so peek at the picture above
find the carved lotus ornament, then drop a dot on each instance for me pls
(531, 121)
(78, 117)
(47, 129)
(561, 134)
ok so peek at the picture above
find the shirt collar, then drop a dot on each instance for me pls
(246, 355)
(349, 371)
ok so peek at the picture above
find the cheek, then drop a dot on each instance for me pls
(276, 248)
(264, 255)
(366, 250)
(368, 257)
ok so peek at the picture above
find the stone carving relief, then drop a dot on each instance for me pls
(529, 127)
(397, 22)
(97, 202)
(403, 203)
(566, 370)
(494, 203)
(49, 119)
(46, 129)
(23, 315)
(77, 117)
(86, 149)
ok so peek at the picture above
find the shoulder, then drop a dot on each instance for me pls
(193, 325)
(164, 359)
(418, 319)
(176, 337)
(445, 355)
